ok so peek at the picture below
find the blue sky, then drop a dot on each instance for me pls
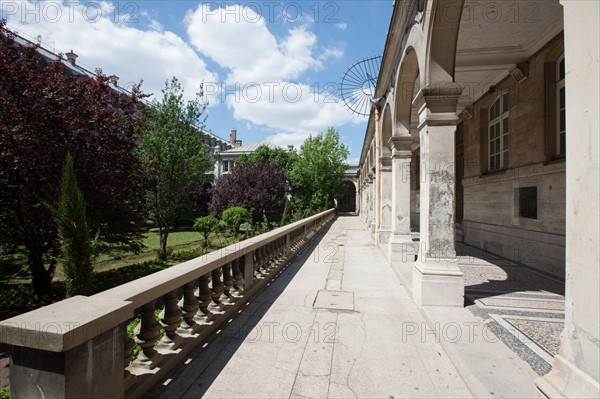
(271, 69)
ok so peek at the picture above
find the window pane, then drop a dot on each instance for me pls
(505, 160)
(505, 125)
(528, 207)
(561, 69)
(505, 142)
(563, 122)
(505, 104)
(562, 144)
(497, 107)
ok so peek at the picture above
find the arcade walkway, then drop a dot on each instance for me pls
(337, 323)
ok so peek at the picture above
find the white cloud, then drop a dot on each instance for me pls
(266, 70)
(341, 25)
(291, 111)
(105, 37)
(238, 39)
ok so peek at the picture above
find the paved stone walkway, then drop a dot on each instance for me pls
(334, 324)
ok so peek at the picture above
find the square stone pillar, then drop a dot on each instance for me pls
(70, 349)
(576, 368)
(374, 210)
(437, 280)
(385, 200)
(401, 246)
(370, 200)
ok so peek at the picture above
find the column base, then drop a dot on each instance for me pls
(402, 248)
(566, 381)
(372, 227)
(384, 235)
(437, 283)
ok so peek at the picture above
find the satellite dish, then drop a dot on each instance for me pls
(358, 85)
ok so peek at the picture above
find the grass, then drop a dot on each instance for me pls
(118, 267)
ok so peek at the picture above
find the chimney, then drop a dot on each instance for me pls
(233, 139)
(71, 57)
(114, 79)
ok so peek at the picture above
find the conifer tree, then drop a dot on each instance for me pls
(74, 234)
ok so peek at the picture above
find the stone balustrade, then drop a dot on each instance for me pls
(79, 347)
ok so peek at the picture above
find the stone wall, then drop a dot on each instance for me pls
(491, 199)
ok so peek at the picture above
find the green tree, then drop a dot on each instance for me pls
(234, 217)
(316, 177)
(283, 159)
(206, 225)
(173, 155)
(74, 233)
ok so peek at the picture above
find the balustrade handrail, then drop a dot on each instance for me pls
(52, 347)
(154, 285)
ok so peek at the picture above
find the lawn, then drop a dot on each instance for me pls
(114, 267)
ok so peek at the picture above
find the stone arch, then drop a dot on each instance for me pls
(408, 74)
(347, 202)
(442, 40)
(386, 131)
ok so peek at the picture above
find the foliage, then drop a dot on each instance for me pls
(285, 217)
(316, 177)
(234, 217)
(74, 233)
(259, 187)
(5, 392)
(173, 155)
(206, 225)
(46, 112)
(263, 154)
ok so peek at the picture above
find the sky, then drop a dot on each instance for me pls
(272, 70)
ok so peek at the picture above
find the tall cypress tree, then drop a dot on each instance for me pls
(74, 233)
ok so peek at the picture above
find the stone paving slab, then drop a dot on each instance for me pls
(282, 346)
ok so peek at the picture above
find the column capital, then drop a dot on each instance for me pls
(401, 146)
(385, 162)
(438, 104)
(442, 97)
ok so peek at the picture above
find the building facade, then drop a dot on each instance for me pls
(484, 129)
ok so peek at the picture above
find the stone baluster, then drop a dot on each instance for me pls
(170, 319)
(204, 316)
(265, 260)
(227, 284)
(147, 334)
(217, 290)
(128, 343)
(258, 259)
(189, 307)
(238, 278)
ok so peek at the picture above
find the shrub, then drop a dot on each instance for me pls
(234, 217)
(206, 225)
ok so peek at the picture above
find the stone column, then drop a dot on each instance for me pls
(385, 202)
(437, 280)
(576, 369)
(358, 196)
(369, 208)
(400, 246)
(373, 204)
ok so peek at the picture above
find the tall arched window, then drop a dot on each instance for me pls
(498, 133)
(561, 109)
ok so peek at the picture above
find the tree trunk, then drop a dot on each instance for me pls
(163, 235)
(41, 278)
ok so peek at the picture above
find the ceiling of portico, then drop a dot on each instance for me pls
(495, 36)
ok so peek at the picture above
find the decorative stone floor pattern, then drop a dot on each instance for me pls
(528, 325)
(524, 303)
(545, 334)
